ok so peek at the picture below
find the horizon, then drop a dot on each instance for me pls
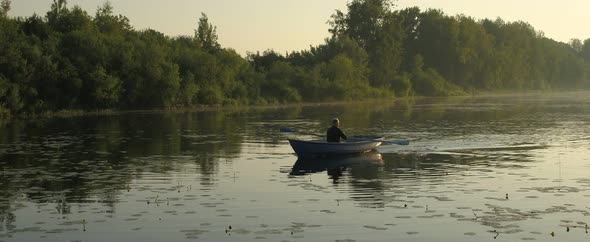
(245, 27)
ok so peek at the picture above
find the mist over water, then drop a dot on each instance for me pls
(507, 167)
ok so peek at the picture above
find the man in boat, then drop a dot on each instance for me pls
(334, 133)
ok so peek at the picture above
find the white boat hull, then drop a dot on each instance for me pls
(316, 148)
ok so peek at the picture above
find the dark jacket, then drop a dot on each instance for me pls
(334, 134)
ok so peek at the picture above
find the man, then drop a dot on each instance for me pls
(334, 133)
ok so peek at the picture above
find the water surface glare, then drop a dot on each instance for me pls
(505, 168)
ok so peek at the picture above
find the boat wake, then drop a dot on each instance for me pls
(459, 149)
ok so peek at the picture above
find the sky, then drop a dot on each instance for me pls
(294, 25)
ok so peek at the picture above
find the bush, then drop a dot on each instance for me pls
(105, 89)
(4, 112)
(430, 83)
(290, 95)
(403, 86)
(210, 95)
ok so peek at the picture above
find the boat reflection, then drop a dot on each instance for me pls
(335, 166)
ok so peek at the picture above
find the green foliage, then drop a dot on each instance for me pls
(206, 33)
(4, 112)
(70, 59)
(188, 90)
(4, 8)
(403, 86)
(585, 53)
(105, 90)
(106, 22)
(210, 95)
(430, 83)
(279, 81)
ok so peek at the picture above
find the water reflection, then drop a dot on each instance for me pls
(336, 165)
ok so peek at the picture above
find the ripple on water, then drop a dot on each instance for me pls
(269, 231)
(193, 233)
(513, 231)
(374, 227)
(463, 208)
(443, 199)
(241, 231)
(59, 231)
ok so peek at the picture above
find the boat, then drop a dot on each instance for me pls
(321, 148)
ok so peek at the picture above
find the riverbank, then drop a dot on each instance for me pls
(200, 108)
(6, 116)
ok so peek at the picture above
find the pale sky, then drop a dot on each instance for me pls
(287, 25)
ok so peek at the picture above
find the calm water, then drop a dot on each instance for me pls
(506, 168)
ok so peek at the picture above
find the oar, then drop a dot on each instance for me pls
(396, 142)
(381, 126)
(288, 130)
(385, 142)
(390, 142)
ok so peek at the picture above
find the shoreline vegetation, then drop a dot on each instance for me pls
(202, 108)
(70, 63)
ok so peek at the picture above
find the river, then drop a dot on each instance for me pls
(506, 167)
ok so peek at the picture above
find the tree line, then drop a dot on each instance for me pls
(69, 59)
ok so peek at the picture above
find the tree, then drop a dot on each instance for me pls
(105, 89)
(206, 33)
(586, 51)
(263, 62)
(58, 9)
(410, 20)
(386, 54)
(474, 50)
(72, 60)
(576, 45)
(4, 8)
(107, 22)
(373, 25)
(586, 57)
(438, 41)
(363, 20)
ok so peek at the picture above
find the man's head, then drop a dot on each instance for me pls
(335, 122)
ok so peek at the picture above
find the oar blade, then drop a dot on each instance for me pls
(402, 142)
(287, 130)
(397, 142)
